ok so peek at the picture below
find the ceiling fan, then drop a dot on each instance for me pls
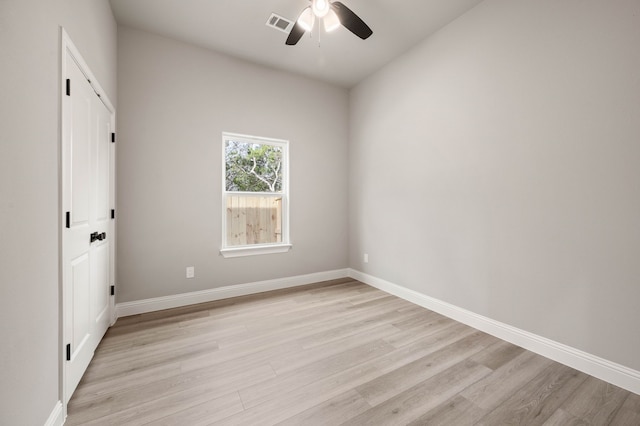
(334, 14)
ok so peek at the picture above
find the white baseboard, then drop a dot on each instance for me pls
(603, 369)
(185, 299)
(56, 417)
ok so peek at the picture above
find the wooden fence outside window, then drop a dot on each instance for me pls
(253, 220)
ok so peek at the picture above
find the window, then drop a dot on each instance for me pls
(255, 195)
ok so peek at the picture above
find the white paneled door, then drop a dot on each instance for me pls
(87, 230)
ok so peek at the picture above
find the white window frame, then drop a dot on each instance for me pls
(257, 249)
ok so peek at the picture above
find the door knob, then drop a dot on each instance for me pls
(97, 236)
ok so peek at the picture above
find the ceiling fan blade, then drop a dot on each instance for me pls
(351, 21)
(295, 35)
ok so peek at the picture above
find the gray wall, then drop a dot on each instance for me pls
(29, 141)
(175, 100)
(496, 166)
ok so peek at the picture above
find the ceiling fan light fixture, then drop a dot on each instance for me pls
(331, 21)
(320, 7)
(306, 19)
(334, 14)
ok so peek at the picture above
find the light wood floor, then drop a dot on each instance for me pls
(333, 353)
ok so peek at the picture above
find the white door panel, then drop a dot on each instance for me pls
(80, 155)
(100, 287)
(102, 168)
(81, 328)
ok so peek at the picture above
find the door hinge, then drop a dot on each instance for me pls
(68, 87)
(67, 220)
(68, 351)
(113, 290)
(113, 213)
(113, 137)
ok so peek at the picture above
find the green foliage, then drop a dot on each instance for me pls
(253, 167)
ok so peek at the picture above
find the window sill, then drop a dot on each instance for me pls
(254, 250)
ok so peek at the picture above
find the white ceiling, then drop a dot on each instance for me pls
(237, 28)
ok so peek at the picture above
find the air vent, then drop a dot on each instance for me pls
(279, 23)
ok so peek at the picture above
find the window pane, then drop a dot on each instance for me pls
(253, 219)
(252, 167)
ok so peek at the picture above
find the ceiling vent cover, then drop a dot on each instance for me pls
(279, 23)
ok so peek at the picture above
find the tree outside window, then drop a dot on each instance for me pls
(251, 167)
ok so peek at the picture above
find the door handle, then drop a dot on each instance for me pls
(97, 236)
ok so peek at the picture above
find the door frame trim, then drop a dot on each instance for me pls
(68, 49)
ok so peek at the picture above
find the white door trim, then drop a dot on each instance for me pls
(68, 48)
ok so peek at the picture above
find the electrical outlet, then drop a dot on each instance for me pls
(191, 271)
(366, 258)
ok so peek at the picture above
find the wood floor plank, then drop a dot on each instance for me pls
(562, 418)
(456, 411)
(343, 291)
(192, 404)
(498, 354)
(292, 403)
(296, 359)
(423, 318)
(334, 411)
(415, 401)
(424, 326)
(269, 389)
(367, 296)
(331, 353)
(629, 413)
(424, 346)
(213, 382)
(232, 315)
(202, 414)
(349, 328)
(296, 327)
(206, 329)
(405, 377)
(159, 319)
(276, 322)
(595, 401)
(94, 387)
(243, 358)
(497, 387)
(536, 401)
(165, 351)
